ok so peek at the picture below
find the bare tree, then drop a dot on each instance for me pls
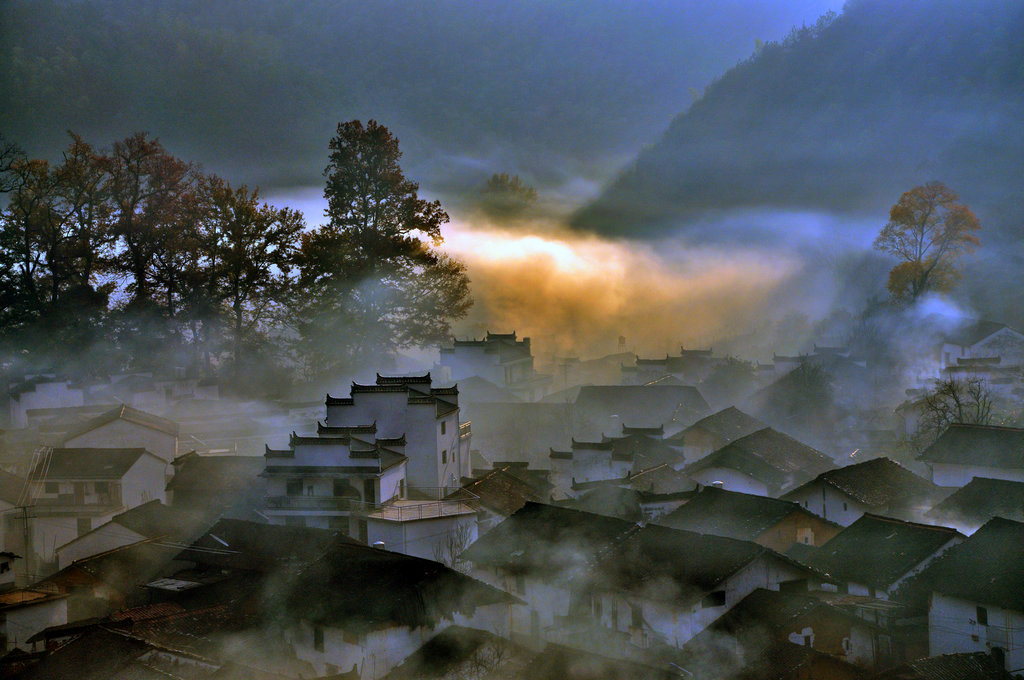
(952, 400)
(451, 545)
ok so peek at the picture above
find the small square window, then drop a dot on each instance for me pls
(52, 487)
(293, 487)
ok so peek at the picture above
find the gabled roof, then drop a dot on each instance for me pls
(502, 492)
(362, 588)
(730, 513)
(877, 483)
(984, 445)
(981, 500)
(660, 563)
(962, 666)
(986, 568)
(129, 414)
(215, 474)
(237, 544)
(878, 551)
(546, 540)
(155, 520)
(88, 463)
(729, 424)
(769, 456)
(973, 333)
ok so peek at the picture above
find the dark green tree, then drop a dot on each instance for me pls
(371, 281)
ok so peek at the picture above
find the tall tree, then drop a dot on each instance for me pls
(372, 279)
(253, 249)
(929, 231)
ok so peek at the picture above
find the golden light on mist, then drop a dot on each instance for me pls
(578, 293)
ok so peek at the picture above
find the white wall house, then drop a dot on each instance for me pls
(427, 417)
(127, 427)
(964, 452)
(499, 358)
(43, 391)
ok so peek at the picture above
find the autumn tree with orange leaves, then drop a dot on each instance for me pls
(929, 231)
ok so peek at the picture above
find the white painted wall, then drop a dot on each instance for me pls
(101, 539)
(124, 434)
(944, 474)
(953, 627)
(21, 623)
(829, 502)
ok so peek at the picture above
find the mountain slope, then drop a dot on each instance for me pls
(844, 116)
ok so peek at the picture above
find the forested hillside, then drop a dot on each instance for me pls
(844, 116)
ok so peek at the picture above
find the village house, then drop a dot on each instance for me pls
(426, 417)
(962, 666)
(765, 463)
(124, 426)
(977, 595)
(502, 491)
(152, 520)
(982, 340)
(982, 499)
(232, 486)
(39, 392)
(603, 410)
(766, 617)
(500, 359)
(964, 452)
(875, 555)
(520, 432)
(74, 490)
(713, 432)
(879, 486)
(773, 523)
(25, 612)
(690, 367)
(588, 579)
(318, 481)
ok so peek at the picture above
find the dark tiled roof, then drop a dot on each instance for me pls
(730, 513)
(645, 561)
(127, 413)
(729, 424)
(87, 463)
(100, 654)
(963, 666)
(215, 474)
(154, 519)
(784, 660)
(877, 551)
(476, 389)
(364, 588)
(237, 544)
(546, 540)
(879, 483)
(452, 654)
(556, 662)
(993, 557)
(502, 492)
(987, 445)
(981, 500)
(769, 456)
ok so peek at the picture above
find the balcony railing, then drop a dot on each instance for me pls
(421, 503)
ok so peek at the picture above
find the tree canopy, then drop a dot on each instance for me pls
(371, 280)
(929, 232)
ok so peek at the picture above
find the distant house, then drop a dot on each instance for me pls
(977, 595)
(523, 433)
(875, 555)
(978, 502)
(714, 431)
(600, 410)
(152, 520)
(499, 358)
(773, 523)
(124, 426)
(588, 579)
(765, 462)
(964, 452)
(38, 392)
(764, 618)
(983, 339)
(229, 483)
(880, 486)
